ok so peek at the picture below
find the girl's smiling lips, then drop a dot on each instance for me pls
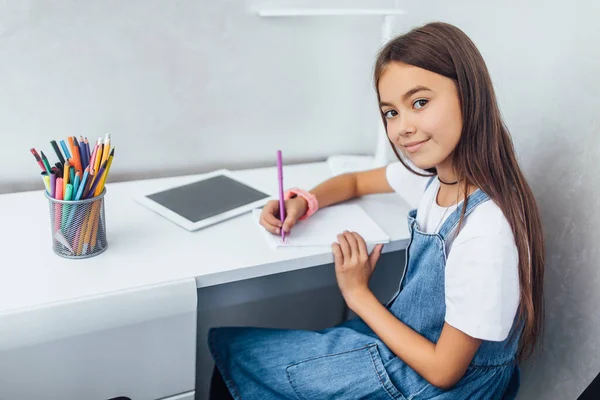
(414, 146)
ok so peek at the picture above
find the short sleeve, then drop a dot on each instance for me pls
(407, 184)
(482, 285)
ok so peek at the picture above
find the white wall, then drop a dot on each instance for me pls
(182, 85)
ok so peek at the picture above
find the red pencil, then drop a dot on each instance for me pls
(38, 159)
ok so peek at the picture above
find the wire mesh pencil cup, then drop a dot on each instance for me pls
(78, 227)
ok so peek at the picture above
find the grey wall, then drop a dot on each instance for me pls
(193, 85)
(544, 59)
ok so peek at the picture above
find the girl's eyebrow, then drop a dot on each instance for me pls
(412, 91)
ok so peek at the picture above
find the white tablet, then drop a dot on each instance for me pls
(215, 197)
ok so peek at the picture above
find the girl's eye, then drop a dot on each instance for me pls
(390, 114)
(418, 104)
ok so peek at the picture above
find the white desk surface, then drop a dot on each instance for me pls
(146, 249)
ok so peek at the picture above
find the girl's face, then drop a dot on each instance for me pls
(422, 112)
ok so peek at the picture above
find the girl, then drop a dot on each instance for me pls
(469, 305)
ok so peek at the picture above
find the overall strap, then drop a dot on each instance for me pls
(475, 199)
(429, 182)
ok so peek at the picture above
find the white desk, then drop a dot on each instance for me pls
(151, 267)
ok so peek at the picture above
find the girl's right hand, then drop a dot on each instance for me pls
(294, 209)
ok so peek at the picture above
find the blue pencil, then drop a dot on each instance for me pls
(82, 184)
(78, 195)
(65, 149)
(76, 185)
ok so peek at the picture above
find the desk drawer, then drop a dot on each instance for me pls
(138, 343)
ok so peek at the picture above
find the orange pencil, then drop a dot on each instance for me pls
(84, 225)
(89, 227)
(95, 233)
(75, 244)
(76, 154)
(71, 146)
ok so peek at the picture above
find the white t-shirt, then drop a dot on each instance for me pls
(482, 277)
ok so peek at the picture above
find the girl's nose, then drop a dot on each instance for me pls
(405, 128)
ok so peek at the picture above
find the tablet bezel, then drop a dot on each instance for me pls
(194, 226)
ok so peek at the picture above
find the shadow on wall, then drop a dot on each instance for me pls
(564, 197)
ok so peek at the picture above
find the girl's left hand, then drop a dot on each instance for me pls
(353, 264)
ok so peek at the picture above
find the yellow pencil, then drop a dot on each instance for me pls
(99, 190)
(46, 179)
(66, 176)
(100, 186)
(89, 227)
(82, 234)
(101, 151)
(106, 148)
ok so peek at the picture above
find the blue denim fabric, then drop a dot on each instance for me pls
(349, 361)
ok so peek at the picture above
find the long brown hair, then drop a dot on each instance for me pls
(484, 156)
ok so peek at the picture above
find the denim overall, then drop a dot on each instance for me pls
(349, 361)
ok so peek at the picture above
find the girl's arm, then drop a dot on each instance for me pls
(348, 186)
(442, 364)
(334, 190)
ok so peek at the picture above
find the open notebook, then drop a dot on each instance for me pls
(322, 228)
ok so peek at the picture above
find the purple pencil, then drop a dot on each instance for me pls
(89, 152)
(82, 147)
(86, 151)
(281, 200)
(97, 180)
(52, 184)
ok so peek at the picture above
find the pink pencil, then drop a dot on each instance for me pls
(57, 206)
(94, 154)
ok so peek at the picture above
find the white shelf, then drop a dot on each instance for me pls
(328, 12)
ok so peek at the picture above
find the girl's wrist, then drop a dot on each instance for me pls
(312, 205)
(303, 202)
(358, 298)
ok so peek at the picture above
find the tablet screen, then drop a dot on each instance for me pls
(207, 198)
